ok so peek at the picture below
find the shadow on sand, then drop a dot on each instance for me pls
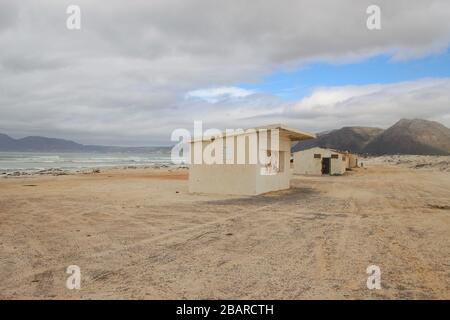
(292, 195)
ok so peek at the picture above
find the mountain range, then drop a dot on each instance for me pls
(407, 136)
(416, 136)
(43, 144)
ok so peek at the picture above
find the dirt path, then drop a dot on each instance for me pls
(140, 234)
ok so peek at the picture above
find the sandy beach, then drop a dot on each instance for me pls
(139, 234)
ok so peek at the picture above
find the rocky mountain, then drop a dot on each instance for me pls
(415, 136)
(43, 144)
(352, 139)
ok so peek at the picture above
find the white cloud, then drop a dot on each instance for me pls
(325, 108)
(124, 76)
(214, 95)
(326, 97)
(373, 105)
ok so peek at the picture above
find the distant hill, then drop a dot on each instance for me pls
(407, 136)
(6, 142)
(412, 137)
(43, 144)
(352, 139)
(404, 137)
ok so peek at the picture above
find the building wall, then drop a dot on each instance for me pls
(306, 163)
(347, 160)
(353, 161)
(240, 179)
(281, 180)
(338, 165)
(223, 179)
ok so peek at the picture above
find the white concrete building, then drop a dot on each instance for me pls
(352, 160)
(317, 161)
(232, 164)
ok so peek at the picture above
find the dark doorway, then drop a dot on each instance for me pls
(326, 165)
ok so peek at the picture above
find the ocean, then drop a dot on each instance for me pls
(32, 161)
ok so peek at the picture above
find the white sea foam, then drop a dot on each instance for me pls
(26, 161)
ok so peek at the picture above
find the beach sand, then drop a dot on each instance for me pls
(139, 234)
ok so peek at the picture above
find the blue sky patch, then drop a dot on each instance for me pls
(380, 69)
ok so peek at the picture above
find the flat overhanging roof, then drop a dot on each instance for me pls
(292, 134)
(328, 149)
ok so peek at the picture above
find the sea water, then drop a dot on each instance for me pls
(31, 161)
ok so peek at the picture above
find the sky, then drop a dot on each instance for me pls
(137, 70)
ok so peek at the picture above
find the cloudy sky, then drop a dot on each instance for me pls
(137, 70)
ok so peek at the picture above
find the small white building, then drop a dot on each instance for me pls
(352, 160)
(237, 168)
(317, 161)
